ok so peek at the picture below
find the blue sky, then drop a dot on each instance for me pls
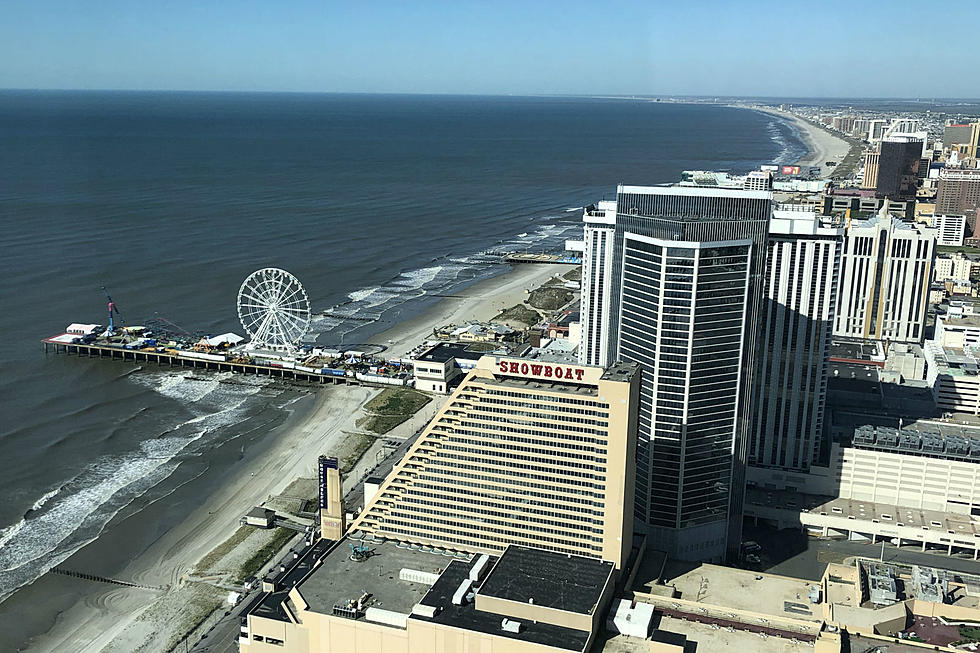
(882, 48)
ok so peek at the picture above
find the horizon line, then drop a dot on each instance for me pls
(610, 96)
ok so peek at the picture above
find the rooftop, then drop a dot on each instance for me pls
(964, 320)
(935, 440)
(742, 589)
(270, 605)
(339, 579)
(446, 351)
(862, 351)
(554, 580)
(467, 617)
(620, 371)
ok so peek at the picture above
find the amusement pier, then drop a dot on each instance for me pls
(275, 312)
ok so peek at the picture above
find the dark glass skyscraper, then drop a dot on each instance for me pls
(687, 266)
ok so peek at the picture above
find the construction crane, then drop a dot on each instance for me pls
(111, 331)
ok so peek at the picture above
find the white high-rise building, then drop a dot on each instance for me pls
(600, 224)
(877, 129)
(951, 228)
(795, 329)
(686, 281)
(886, 270)
(902, 126)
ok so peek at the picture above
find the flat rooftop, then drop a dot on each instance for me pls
(339, 579)
(620, 371)
(467, 617)
(946, 523)
(270, 605)
(712, 638)
(966, 320)
(853, 350)
(744, 590)
(446, 351)
(553, 580)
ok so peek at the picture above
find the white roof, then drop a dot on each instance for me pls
(230, 338)
(65, 338)
(76, 327)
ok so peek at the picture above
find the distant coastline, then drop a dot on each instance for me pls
(823, 146)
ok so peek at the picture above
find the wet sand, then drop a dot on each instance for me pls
(102, 616)
(823, 145)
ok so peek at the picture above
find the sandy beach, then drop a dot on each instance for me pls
(823, 145)
(480, 301)
(111, 616)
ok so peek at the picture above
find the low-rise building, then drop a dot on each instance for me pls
(954, 374)
(958, 331)
(441, 365)
(480, 332)
(387, 598)
(956, 267)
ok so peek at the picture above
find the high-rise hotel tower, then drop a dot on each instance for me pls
(886, 268)
(600, 227)
(795, 328)
(524, 452)
(686, 269)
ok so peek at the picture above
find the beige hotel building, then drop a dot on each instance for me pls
(503, 528)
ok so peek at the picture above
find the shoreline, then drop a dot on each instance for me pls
(289, 451)
(105, 616)
(823, 146)
(480, 301)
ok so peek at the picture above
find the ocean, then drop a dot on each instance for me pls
(378, 204)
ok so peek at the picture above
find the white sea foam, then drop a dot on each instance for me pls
(418, 278)
(786, 153)
(65, 519)
(175, 386)
(364, 293)
(44, 499)
(371, 303)
(574, 208)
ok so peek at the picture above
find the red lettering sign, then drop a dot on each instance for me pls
(541, 370)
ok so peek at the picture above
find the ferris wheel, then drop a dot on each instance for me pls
(274, 309)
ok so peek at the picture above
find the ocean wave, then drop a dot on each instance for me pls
(788, 138)
(67, 518)
(44, 539)
(359, 295)
(175, 386)
(372, 303)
